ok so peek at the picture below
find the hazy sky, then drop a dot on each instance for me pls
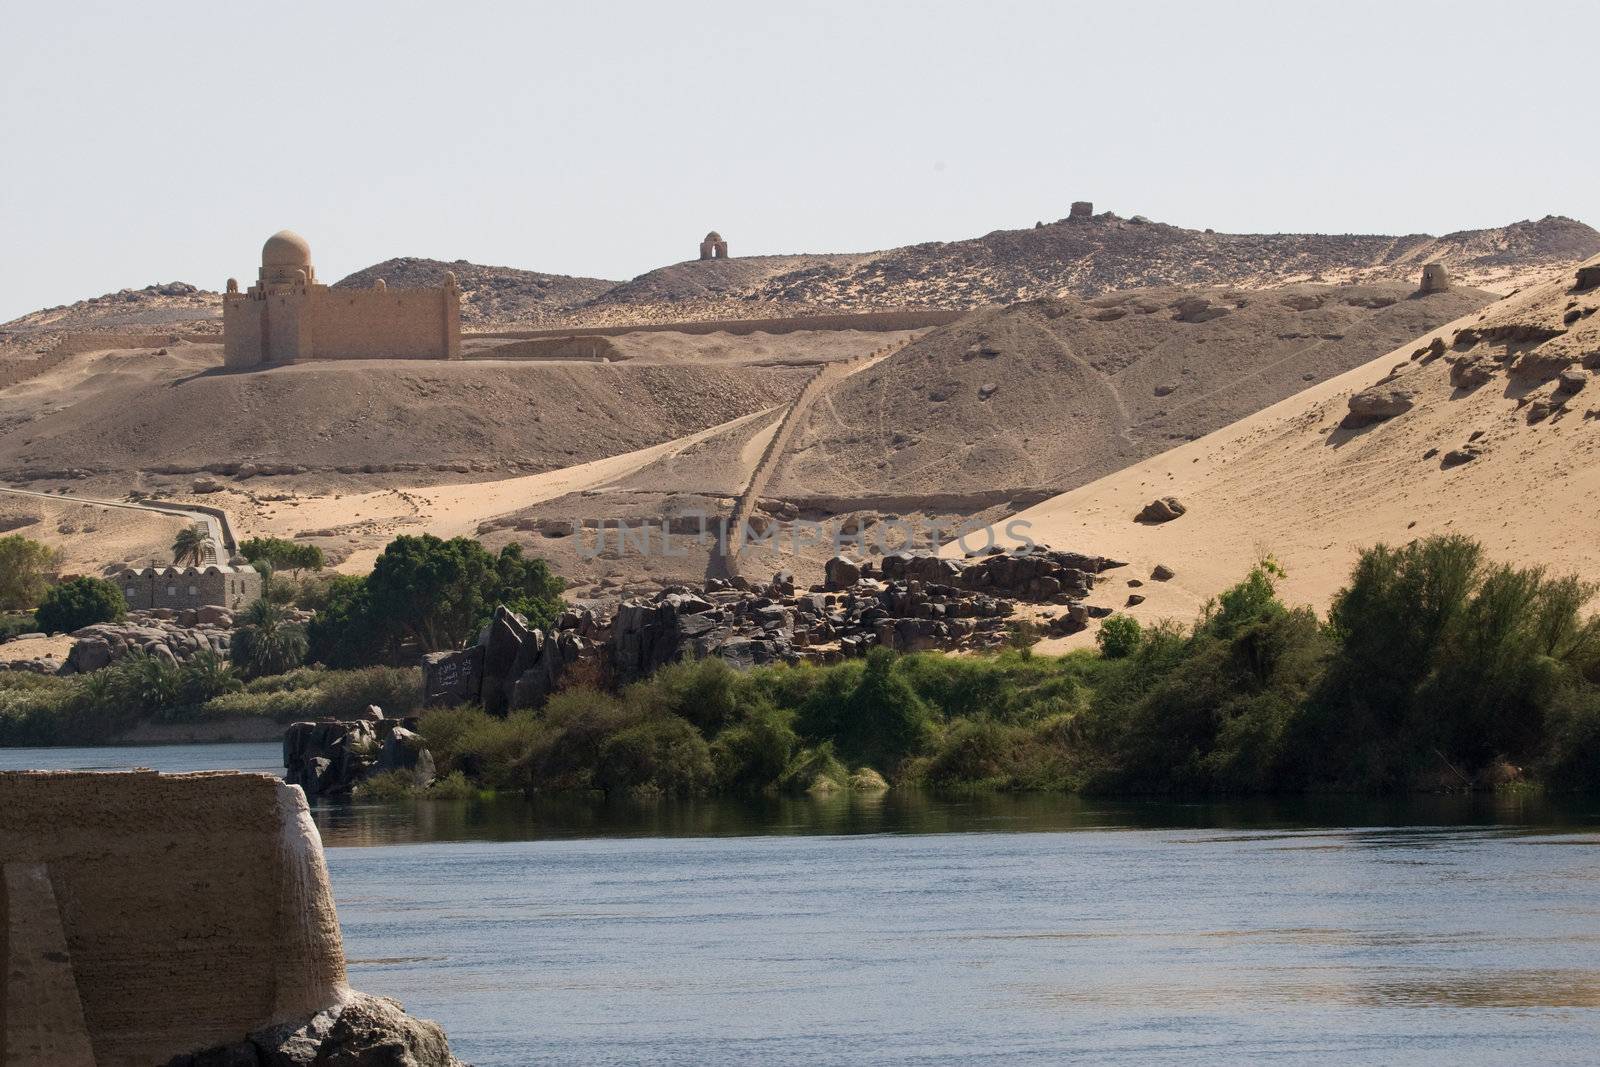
(159, 142)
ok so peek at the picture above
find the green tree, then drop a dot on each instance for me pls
(432, 592)
(80, 602)
(1445, 664)
(205, 675)
(283, 554)
(25, 569)
(190, 544)
(527, 586)
(267, 642)
(346, 631)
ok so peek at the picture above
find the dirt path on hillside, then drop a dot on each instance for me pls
(458, 510)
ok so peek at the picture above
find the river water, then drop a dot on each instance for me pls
(903, 929)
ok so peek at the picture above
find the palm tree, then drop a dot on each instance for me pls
(267, 642)
(190, 545)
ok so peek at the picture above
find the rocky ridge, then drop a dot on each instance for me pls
(490, 296)
(1080, 255)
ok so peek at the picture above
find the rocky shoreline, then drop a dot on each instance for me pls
(908, 602)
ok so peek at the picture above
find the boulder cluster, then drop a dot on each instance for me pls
(908, 602)
(330, 758)
(161, 632)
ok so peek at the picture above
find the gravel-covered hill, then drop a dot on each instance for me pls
(490, 296)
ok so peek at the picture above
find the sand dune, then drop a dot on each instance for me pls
(1052, 394)
(1292, 481)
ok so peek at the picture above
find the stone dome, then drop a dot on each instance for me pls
(286, 249)
(713, 237)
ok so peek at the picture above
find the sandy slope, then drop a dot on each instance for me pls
(1292, 482)
(365, 521)
(154, 419)
(90, 538)
(1053, 394)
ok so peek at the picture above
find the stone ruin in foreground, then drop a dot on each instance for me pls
(186, 920)
(909, 602)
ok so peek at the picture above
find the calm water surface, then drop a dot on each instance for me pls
(902, 929)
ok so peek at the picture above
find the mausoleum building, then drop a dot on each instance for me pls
(288, 316)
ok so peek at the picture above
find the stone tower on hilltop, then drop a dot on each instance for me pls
(288, 316)
(713, 247)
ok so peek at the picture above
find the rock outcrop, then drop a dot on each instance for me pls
(365, 1031)
(1379, 403)
(331, 758)
(171, 635)
(1164, 509)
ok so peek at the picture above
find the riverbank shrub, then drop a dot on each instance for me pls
(79, 602)
(17, 622)
(1435, 669)
(98, 707)
(1445, 667)
(1119, 636)
(267, 641)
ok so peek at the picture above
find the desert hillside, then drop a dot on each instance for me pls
(1101, 253)
(1080, 256)
(490, 296)
(1050, 394)
(131, 418)
(1495, 433)
(154, 306)
(90, 539)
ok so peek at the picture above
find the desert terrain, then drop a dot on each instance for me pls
(1500, 444)
(1082, 347)
(1051, 394)
(1073, 256)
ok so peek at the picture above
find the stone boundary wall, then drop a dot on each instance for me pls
(143, 916)
(590, 349)
(229, 542)
(15, 372)
(886, 321)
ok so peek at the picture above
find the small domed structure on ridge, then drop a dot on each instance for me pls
(713, 247)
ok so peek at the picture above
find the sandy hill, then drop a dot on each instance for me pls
(1049, 394)
(501, 297)
(1501, 441)
(120, 417)
(90, 539)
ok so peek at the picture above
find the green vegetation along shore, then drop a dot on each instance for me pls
(1435, 670)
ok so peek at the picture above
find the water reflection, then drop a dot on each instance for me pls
(1415, 821)
(1353, 987)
